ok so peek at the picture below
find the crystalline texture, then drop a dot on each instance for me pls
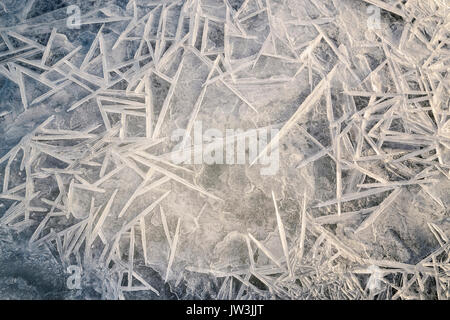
(362, 110)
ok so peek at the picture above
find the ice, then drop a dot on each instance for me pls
(361, 101)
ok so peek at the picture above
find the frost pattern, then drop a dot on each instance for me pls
(87, 116)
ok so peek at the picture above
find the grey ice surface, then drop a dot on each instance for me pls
(92, 91)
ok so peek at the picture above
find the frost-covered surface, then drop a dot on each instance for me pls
(357, 210)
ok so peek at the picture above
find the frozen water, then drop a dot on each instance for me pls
(358, 89)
